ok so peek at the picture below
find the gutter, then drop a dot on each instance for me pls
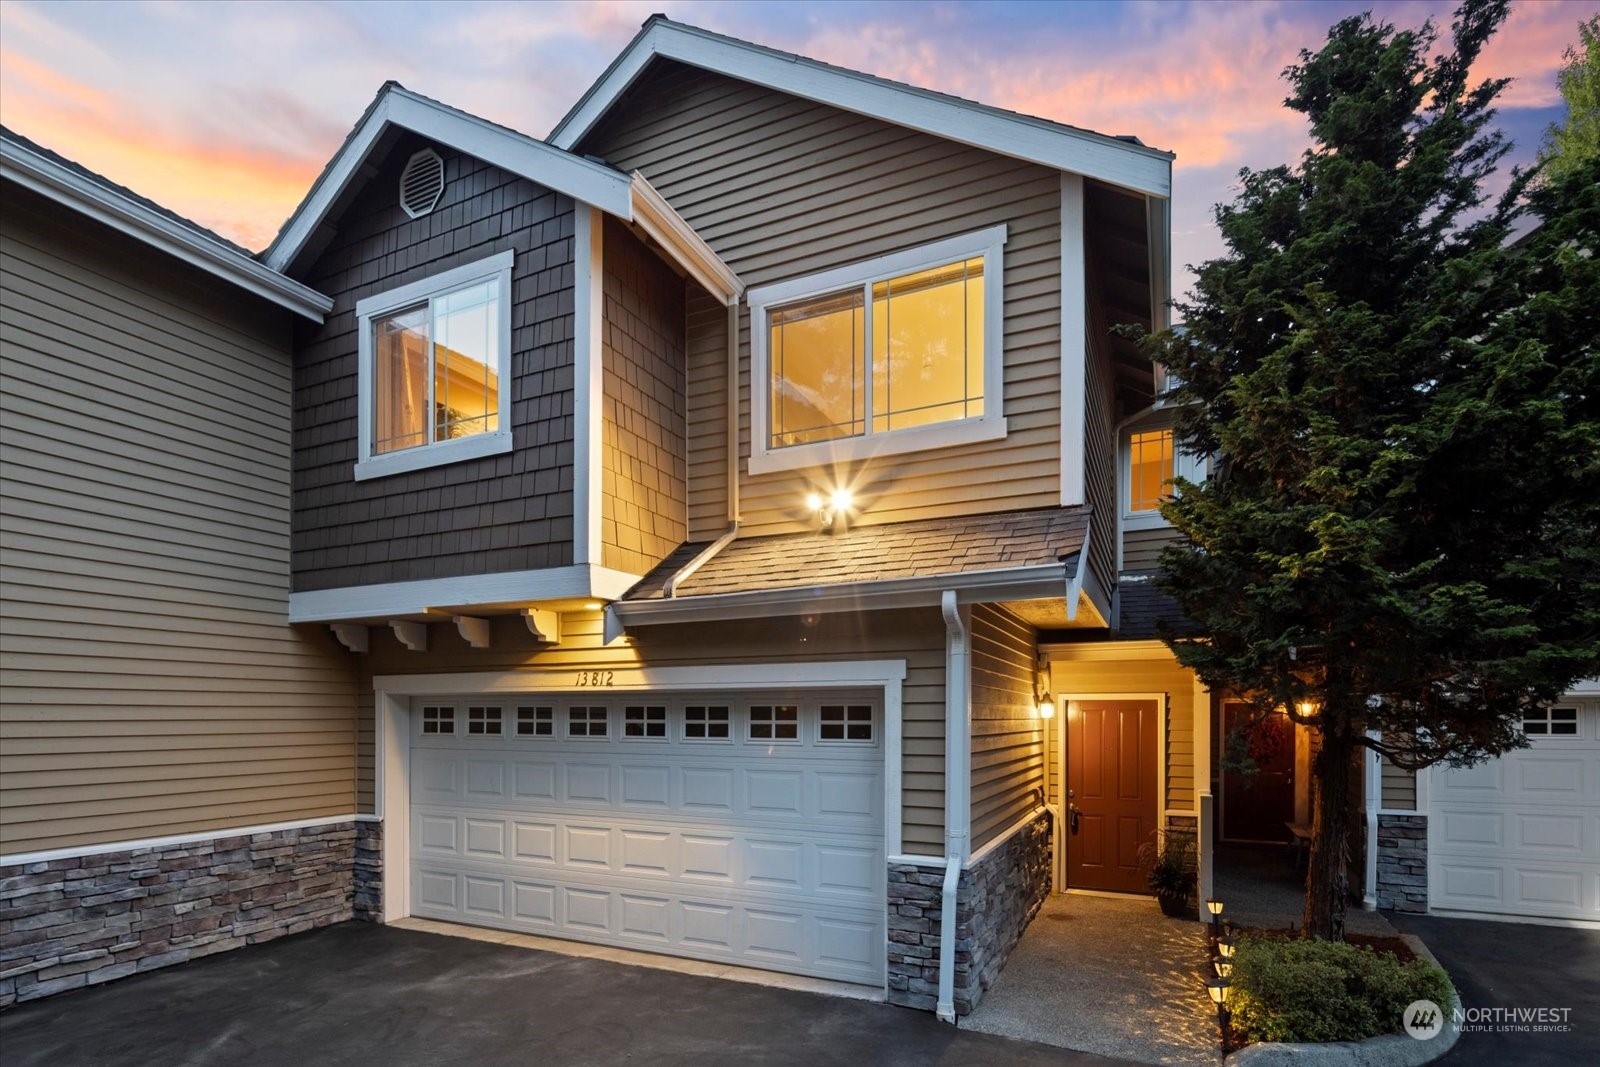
(957, 791)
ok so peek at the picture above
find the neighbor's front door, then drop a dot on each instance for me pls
(1112, 792)
(1259, 806)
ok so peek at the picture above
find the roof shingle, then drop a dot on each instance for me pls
(916, 549)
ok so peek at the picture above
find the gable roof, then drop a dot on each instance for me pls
(397, 106)
(1118, 161)
(35, 167)
(628, 197)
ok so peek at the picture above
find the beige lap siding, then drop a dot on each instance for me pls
(783, 188)
(1399, 788)
(151, 684)
(916, 636)
(1007, 737)
(1141, 549)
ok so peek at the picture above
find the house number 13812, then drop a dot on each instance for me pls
(594, 678)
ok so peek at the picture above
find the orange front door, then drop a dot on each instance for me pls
(1112, 793)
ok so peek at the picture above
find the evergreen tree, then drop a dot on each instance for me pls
(1567, 145)
(1400, 543)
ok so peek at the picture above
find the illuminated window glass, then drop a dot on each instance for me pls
(1150, 469)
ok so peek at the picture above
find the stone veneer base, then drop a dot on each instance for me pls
(1403, 862)
(995, 900)
(69, 923)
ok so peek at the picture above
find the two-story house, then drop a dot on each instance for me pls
(707, 491)
(719, 529)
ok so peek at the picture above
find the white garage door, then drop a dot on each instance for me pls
(746, 830)
(1520, 835)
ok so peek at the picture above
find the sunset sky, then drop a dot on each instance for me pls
(226, 112)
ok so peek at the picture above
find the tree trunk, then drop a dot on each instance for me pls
(1328, 872)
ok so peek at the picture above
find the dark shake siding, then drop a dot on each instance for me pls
(509, 512)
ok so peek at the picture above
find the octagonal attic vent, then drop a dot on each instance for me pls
(421, 183)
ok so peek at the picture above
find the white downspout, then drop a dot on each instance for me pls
(1372, 781)
(957, 795)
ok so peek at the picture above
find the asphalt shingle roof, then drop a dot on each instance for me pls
(916, 549)
(121, 190)
(1142, 607)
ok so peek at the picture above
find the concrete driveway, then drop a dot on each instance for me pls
(1517, 965)
(363, 994)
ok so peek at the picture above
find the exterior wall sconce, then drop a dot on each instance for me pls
(1306, 708)
(833, 512)
(1047, 707)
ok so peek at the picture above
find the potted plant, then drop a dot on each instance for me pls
(1168, 862)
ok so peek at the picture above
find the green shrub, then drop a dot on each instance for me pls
(1291, 989)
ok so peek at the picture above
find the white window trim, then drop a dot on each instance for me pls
(990, 426)
(495, 268)
(1184, 465)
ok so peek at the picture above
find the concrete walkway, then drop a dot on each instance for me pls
(1260, 887)
(1107, 975)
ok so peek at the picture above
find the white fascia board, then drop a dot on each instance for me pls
(1121, 163)
(67, 187)
(520, 154)
(688, 249)
(1045, 582)
(508, 589)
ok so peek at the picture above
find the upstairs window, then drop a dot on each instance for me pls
(1151, 459)
(434, 370)
(893, 355)
(1150, 469)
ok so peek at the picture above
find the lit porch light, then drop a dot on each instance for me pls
(831, 513)
(1047, 707)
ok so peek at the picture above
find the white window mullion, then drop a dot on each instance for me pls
(869, 356)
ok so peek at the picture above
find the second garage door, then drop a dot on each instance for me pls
(1520, 835)
(745, 830)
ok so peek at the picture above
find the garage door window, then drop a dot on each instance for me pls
(702, 723)
(586, 722)
(1551, 722)
(846, 722)
(483, 721)
(438, 720)
(536, 722)
(644, 722)
(774, 722)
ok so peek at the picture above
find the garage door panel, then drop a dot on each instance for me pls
(764, 853)
(1536, 831)
(1520, 835)
(1549, 778)
(534, 780)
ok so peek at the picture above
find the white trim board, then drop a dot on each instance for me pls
(392, 733)
(1110, 159)
(175, 839)
(508, 589)
(518, 153)
(588, 383)
(71, 189)
(1074, 343)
